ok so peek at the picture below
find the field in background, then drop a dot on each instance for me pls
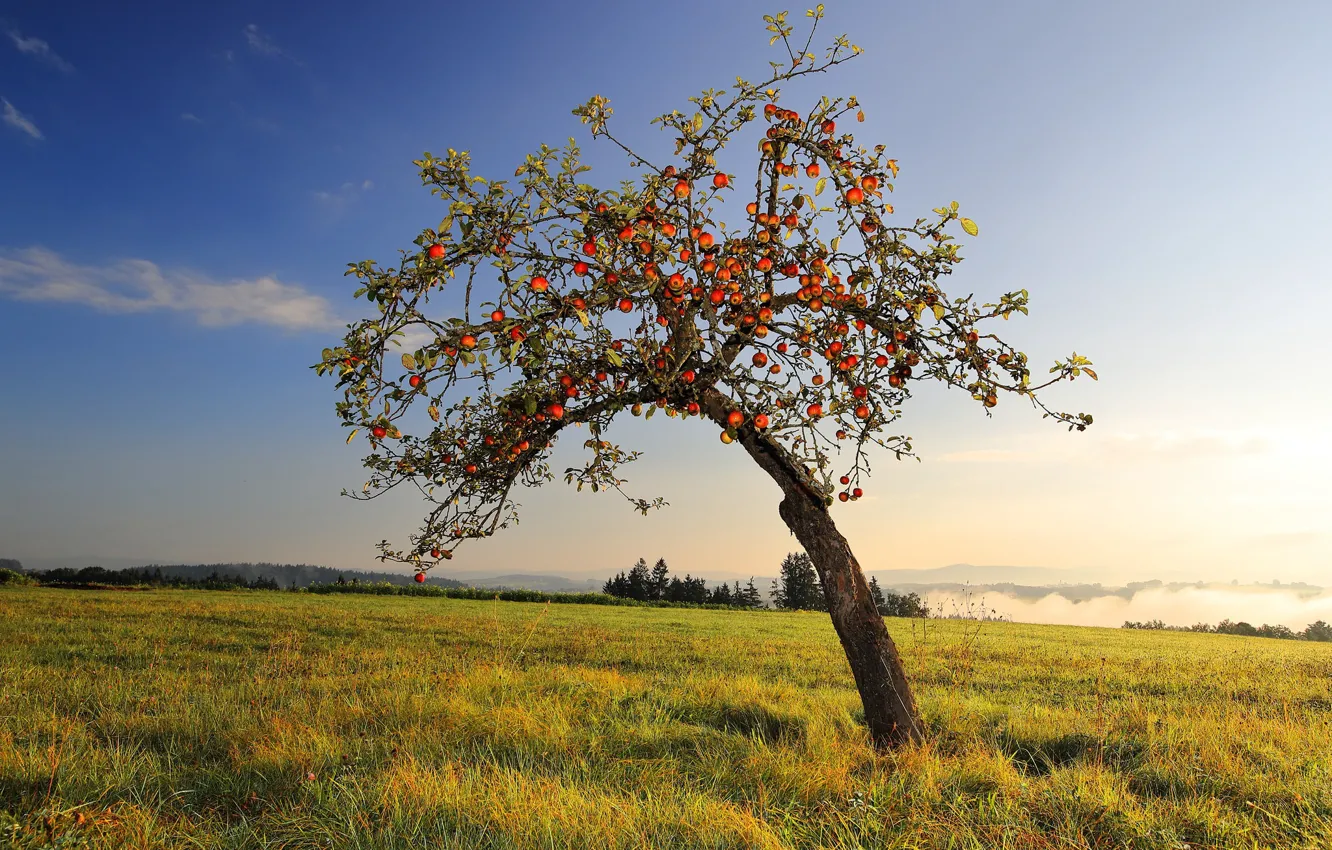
(252, 719)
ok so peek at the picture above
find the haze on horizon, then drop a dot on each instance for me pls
(1155, 176)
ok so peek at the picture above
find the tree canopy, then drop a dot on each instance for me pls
(781, 303)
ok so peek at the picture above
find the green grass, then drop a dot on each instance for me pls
(174, 719)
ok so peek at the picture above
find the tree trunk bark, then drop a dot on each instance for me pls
(890, 709)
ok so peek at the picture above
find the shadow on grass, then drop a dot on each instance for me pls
(758, 722)
(1042, 756)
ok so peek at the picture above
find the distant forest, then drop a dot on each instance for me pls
(797, 589)
(258, 576)
(1319, 631)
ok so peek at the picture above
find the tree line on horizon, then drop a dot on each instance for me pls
(1316, 631)
(656, 584)
(797, 588)
(251, 575)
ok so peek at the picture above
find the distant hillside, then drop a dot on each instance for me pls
(286, 575)
(549, 584)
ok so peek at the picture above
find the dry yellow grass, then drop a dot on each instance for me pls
(196, 719)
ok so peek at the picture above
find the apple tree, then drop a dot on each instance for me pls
(798, 331)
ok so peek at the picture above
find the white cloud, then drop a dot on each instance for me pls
(346, 193)
(413, 337)
(40, 50)
(190, 118)
(265, 45)
(139, 286)
(261, 43)
(1181, 445)
(19, 121)
(1150, 447)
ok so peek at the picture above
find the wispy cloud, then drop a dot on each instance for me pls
(19, 121)
(345, 194)
(190, 118)
(264, 44)
(1184, 445)
(261, 43)
(413, 337)
(40, 51)
(139, 286)
(1146, 447)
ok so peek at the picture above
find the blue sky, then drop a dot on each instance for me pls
(182, 186)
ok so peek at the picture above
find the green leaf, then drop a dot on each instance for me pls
(969, 226)
(651, 410)
(614, 357)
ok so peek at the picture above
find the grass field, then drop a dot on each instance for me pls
(174, 719)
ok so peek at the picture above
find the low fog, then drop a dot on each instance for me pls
(1180, 606)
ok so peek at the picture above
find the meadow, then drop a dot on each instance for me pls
(193, 719)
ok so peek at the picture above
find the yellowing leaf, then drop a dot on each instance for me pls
(434, 412)
(938, 312)
(582, 317)
(352, 435)
(408, 362)
(860, 116)
(1091, 373)
(969, 226)
(818, 187)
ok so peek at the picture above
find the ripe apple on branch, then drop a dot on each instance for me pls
(551, 302)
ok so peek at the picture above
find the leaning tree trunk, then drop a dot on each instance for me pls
(890, 710)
